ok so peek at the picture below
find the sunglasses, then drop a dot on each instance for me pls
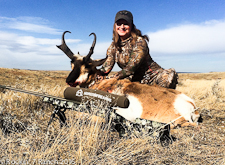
(122, 23)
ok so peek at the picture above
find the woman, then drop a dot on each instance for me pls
(130, 51)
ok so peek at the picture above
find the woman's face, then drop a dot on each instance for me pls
(123, 28)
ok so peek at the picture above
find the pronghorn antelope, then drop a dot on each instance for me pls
(152, 102)
(147, 102)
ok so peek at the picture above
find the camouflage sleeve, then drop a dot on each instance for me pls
(137, 55)
(110, 61)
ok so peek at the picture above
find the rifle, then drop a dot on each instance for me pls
(75, 97)
(58, 102)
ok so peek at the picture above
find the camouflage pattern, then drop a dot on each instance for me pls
(104, 110)
(167, 78)
(137, 64)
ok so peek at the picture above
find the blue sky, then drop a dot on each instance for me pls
(188, 35)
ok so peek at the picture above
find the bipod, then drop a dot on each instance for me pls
(61, 116)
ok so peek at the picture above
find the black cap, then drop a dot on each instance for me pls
(124, 14)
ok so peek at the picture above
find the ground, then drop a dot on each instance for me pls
(28, 139)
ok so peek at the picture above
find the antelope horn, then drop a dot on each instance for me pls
(64, 47)
(87, 58)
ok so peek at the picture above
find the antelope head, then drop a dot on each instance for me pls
(83, 67)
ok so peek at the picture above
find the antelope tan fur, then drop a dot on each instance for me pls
(152, 102)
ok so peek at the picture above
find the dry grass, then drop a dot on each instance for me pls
(28, 140)
(208, 93)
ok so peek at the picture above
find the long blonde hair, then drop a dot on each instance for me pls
(134, 33)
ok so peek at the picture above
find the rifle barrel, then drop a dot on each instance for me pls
(37, 94)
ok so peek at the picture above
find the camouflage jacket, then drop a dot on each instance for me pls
(134, 60)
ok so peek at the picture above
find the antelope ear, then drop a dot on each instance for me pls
(98, 62)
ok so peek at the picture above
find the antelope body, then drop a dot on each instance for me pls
(149, 102)
(152, 102)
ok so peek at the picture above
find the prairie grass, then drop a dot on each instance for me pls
(26, 139)
(208, 94)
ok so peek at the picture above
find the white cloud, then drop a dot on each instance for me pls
(26, 44)
(29, 52)
(206, 37)
(33, 28)
(169, 47)
(29, 24)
